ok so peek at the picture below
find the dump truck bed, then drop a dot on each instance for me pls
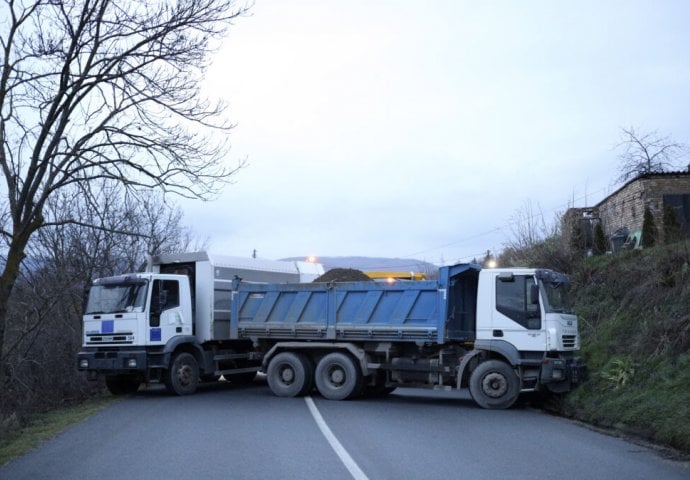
(347, 311)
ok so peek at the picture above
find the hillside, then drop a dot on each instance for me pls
(634, 310)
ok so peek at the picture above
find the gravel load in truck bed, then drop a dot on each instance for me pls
(342, 275)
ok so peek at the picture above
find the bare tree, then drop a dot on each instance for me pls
(535, 242)
(99, 89)
(528, 226)
(646, 153)
(46, 303)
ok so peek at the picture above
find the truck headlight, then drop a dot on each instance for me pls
(132, 363)
(83, 363)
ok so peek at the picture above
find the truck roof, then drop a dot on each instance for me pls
(243, 263)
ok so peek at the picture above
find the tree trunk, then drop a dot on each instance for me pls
(9, 276)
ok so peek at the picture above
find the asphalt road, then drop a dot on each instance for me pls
(226, 432)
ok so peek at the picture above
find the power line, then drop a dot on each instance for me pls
(500, 228)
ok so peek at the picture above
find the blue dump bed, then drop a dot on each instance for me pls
(358, 311)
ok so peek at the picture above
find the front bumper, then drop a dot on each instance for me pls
(560, 374)
(113, 361)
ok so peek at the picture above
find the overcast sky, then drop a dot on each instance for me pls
(417, 129)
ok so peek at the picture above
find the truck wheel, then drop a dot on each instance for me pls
(289, 374)
(182, 377)
(122, 384)
(309, 368)
(494, 384)
(338, 377)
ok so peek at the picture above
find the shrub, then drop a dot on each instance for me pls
(649, 232)
(599, 247)
(672, 232)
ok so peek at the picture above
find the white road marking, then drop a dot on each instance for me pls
(337, 447)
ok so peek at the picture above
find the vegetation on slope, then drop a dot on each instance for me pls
(634, 310)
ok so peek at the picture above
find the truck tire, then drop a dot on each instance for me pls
(290, 374)
(122, 384)
(494, 384)
(338, 377)
(182, 377)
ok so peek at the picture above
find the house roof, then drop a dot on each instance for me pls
(644, 176)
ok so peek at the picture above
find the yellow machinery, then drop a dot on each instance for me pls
(392, 276)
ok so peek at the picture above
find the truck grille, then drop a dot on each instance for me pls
(120, 338)
(569, 341)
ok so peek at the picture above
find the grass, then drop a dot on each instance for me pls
(38, 428)
(634, 309)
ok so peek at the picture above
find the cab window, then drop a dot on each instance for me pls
(515, 300)
(165, 295)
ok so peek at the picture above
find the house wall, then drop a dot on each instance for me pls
(625, 207)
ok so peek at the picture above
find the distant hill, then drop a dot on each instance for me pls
(374, 263)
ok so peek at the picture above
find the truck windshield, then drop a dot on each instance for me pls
(557, 297)
(116, 298)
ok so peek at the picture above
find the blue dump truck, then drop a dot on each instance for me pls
(498, 332)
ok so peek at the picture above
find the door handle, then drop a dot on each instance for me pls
(498, 333)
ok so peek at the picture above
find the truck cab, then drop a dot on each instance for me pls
(531, 310)
(526, 316)
(138, 309)
(128, 322)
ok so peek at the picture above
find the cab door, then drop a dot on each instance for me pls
(517, 315)
(165, 313)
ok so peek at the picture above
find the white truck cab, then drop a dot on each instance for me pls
(531, 309)
(137, 309)
(526, 314)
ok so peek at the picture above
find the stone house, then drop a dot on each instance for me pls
(622, 212)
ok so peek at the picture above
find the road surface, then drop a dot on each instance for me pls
(228, 432)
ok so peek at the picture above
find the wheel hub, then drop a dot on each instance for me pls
(494, 385)
(337, 376)
(184, 374)
(287, 375)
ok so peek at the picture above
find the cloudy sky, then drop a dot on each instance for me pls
(417, 129)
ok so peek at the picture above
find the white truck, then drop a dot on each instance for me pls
(499, 332)
(140, 327)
